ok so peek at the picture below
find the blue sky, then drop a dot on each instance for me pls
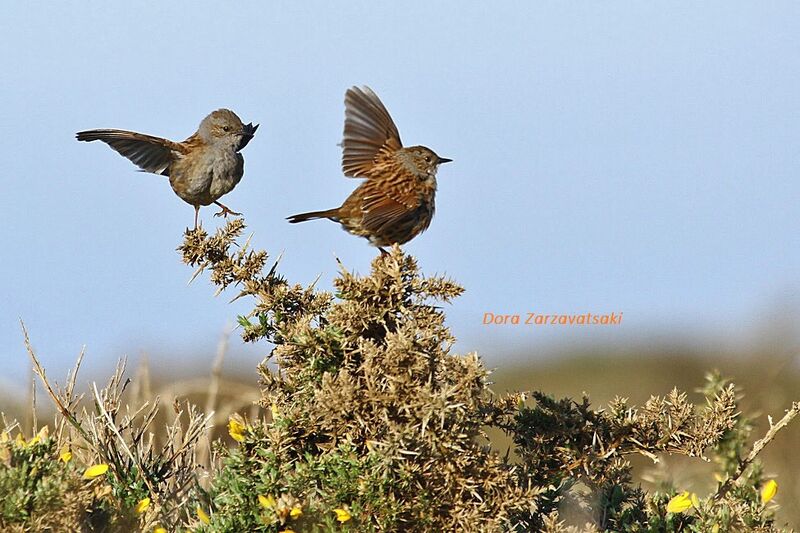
(607, 157)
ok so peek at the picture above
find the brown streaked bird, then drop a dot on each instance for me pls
(201, 169)
(395, 203)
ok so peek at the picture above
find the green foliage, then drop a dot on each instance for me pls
(313, 483)
(36, 486)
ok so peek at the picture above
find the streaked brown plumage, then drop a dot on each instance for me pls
(396, 201)
(201, 169)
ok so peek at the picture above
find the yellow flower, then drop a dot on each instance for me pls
(273, 409)
(42, 435)
(342, 515)
(159, 529)
(142, 506)
(20, 440)
(4, 437)
(237, 428)
(296, 512)
(680, 503)
(65, 456)
(286, 531)
(95, 471)
(769, 490)
(715, 528)
(203, 516)
(266, 501)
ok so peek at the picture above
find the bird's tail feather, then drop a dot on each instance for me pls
(313, 215)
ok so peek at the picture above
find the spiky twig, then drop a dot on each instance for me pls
(757, 447)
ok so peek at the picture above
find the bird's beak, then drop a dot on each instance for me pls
(248, 130)
(442, 160)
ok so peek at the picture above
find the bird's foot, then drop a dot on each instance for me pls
(225, 211)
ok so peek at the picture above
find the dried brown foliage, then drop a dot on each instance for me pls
(375, 426)
(368, 375)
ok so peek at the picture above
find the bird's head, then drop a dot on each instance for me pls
(224, 127)
(424, 160)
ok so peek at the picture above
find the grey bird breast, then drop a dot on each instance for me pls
(203, 180)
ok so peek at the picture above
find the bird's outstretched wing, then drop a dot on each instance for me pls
(369, 132)
(151, 154)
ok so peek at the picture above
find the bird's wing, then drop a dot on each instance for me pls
(369, 132)
(385, 204)
(151, 154)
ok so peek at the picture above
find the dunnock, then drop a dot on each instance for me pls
(395, 203)
(201, 169)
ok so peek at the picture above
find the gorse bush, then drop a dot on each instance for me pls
(39, 492)
(371, 413)
(373, 424)
(374, 417)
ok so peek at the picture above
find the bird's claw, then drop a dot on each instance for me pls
(224, 212)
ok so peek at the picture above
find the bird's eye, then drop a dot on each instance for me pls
(427, 158)
(226, 128)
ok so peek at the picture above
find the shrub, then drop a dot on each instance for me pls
(375, 425)
(373, 414)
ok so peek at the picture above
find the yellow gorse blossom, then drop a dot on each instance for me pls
(266, 501)
(342, 515)
(769, 490)
(237, 428)
(680, 503)
(95, 471)
(142, 506)
(66, 455)
(296, 512)
(159, 530)
(204, 518)
(42, 435)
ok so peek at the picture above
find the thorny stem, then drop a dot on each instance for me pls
(39, 370)
(757, 447)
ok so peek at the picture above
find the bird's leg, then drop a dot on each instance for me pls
(225, 211)
(196, 212)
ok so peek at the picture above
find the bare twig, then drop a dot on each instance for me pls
(69, 393)
(757, 447)
(34, 423)
(113, 427)
(39, 370)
